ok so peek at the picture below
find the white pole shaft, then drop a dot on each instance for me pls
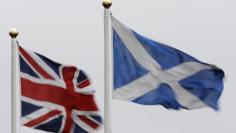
(15, 91)
(108, 70)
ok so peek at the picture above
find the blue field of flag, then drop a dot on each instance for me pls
(150, 73)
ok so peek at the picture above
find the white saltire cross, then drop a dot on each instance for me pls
(156, 74)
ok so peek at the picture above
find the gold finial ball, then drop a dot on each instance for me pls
(107, 3)
(13, 32)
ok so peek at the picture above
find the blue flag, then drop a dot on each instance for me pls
(150, 73)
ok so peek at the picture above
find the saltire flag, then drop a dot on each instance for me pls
(151, 73)
(56, 98)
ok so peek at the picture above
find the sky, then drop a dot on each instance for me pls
(71, 32)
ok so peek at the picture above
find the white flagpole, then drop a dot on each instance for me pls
(108, 81)
(15, 82)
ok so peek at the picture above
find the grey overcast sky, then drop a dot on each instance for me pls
(71, 32)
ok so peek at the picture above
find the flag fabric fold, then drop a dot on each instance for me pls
(151, 73)
(56, 98)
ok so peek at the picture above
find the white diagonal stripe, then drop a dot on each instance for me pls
(185, 98)
(137, 88)
(172, 76)
(34, 115)
(48, 120)
(41, 63)
(134, 46)
(186, 69)
(48, 105)
(76, 113)
(85, 126)
(34, 70)
(82, 124)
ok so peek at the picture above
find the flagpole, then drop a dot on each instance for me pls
(108, 71)
(15, 92)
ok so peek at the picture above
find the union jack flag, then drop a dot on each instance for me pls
(56, 98)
